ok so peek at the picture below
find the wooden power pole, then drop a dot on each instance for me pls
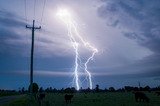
(33, 28)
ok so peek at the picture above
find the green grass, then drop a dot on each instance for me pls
(8, 93)
(102, 99)
(90, 99)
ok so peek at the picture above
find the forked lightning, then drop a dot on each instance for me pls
(73, 34)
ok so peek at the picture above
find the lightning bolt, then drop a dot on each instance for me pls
(65, 16)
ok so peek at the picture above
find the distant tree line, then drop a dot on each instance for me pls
(37, 89)
(8, 92)
(96, 89)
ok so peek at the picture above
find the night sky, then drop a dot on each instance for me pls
(126, 33)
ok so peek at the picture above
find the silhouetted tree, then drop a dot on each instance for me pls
(97, 88)
(34, 88)
(121, 90)
(23, 90)
(146, 88)
(128, 88)
(62, 90)
(54, 90)
(81, 89)
(47, 90)
(67, 90)
(158, 88)
(70, 90)
(136, 89)
(106, 90)
(141, 88)
(88, 90)
(41, 89)
(73, 90)
(50, 89)
(111, 89)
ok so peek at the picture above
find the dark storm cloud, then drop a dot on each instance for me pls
(9, 24)
(7, 33)
(138, 20)
(15, 38)
(8, 19)
(143, 14)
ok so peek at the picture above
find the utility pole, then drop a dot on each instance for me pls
(139, 85)
(33, 28)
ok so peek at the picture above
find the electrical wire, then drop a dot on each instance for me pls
(27, 42)
(34, 9)
(44, 5)
(25, 10)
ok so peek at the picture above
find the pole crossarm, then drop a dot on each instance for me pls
(34, 27)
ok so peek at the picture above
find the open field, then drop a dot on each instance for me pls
(90, 99)
(8, 93)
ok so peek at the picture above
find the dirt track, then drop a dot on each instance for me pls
(6, 99)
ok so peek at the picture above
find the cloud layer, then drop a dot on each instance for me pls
(137, 20)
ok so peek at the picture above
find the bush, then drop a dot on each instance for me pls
(34, 88)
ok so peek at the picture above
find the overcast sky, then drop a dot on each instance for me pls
(126, 33)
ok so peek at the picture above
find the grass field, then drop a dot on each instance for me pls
(90, 99)
(8, 93)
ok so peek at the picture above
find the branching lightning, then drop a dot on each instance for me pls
(73, 33)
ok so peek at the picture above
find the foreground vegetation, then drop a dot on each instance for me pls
(89, 99)
(18, 102)
(8, 93)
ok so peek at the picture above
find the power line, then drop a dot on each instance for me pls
(34, 9)
(25, 9)
(44, 4)
(26, 37)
